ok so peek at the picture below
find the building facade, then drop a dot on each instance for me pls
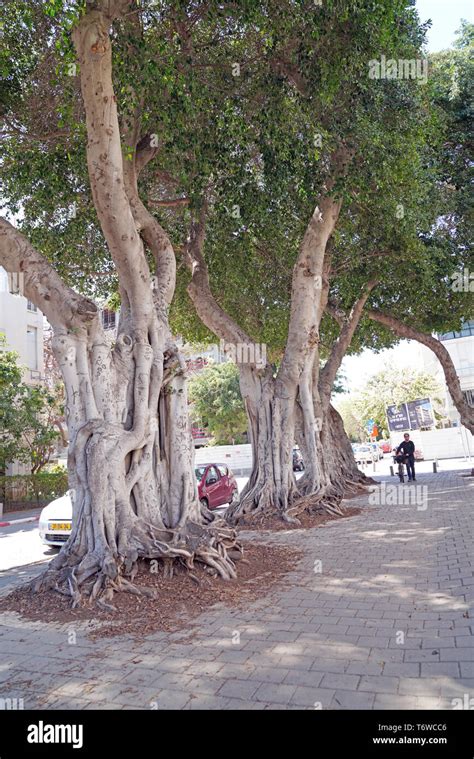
(21, 323)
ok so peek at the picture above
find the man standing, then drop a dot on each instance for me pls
(408, 448)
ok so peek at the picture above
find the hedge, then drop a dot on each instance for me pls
(38, 488)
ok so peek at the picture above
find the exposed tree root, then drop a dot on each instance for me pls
(254, 512)
(93, 578)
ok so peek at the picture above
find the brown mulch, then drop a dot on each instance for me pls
(306, 519)
(180, 599)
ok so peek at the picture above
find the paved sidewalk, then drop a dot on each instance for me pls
(375, 616)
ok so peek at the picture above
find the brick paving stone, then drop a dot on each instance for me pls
(330, 639)
(239, 688)
(342, 682)
(307, 697)
(378, 684)
(344, 699)
(275, 693)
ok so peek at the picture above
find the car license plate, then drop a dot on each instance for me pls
(60, 526)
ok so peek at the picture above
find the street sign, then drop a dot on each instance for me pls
(370, 425)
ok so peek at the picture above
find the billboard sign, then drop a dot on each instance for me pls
(420, 413)
(397, 417)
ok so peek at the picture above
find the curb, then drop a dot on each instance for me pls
(19, 521)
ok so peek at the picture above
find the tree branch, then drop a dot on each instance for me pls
(41, 283)
(199, 289)
(466, 412)
(104, 156)
(348, 327)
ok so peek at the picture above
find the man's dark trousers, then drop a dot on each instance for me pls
(410, 462)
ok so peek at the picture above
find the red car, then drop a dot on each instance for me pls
(216, 485)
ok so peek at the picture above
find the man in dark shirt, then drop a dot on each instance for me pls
(408, 448)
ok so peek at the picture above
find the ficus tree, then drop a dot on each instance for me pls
(371, 153)
(130, 452)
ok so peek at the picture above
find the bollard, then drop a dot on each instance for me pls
(435, 466)
(391, 471)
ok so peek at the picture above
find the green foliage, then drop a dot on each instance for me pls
(217, 403)
(34, 488)
(27, 413)
(388, 387)
(257, 140)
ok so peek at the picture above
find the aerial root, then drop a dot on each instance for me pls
(88, 579)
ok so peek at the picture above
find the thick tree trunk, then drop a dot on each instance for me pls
(345, 476)
(130, 469)
(272, 485)
(130, 456)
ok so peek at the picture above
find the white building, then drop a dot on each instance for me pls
(22, 324)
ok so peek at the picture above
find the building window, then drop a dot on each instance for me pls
(109, 319)
(469, 397)
(467, 330)
(31, 306)
(32, 347)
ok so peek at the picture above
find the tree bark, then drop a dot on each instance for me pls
(270, 400)
(130, 457)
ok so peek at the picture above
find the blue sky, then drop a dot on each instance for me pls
(446, 16)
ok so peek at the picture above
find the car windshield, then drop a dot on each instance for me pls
(199, 472)
(364, 448)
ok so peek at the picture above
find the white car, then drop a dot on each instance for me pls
(55, 521)
(364, 454)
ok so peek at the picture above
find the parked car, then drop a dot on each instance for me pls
(385, 446)
(378, 453)
(216, 485)
(298, 463)
(364, 454)
(56, 520)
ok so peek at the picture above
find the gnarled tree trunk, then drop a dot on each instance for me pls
(271, 400)
(130, 456)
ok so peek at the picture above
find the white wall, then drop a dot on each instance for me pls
(449, 443)
(237, 457)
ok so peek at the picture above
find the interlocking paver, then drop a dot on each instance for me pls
(385, 625)
(239, 688)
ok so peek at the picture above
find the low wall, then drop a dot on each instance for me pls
(236, 457)
(450, 443)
